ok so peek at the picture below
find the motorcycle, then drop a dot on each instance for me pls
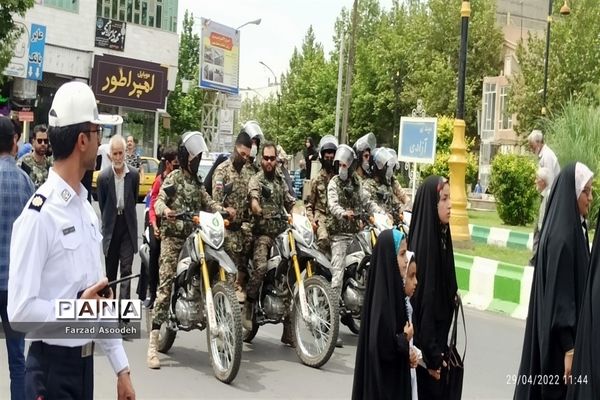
(202, 298)
(298, 272)
(356, 268)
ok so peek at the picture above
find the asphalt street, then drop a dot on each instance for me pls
(270, 370)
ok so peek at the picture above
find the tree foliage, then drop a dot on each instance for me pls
(573, 68)
(186, 108)
(9, 32)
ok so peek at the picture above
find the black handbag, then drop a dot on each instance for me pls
(456, 369)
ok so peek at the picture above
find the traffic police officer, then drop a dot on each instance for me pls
(56, 254)
(230, 187)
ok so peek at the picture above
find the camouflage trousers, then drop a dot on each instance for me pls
(262, 247)
(170, 248)
(322, 234)
(237, 245)
(339, 245)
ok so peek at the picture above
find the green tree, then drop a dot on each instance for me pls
(9, 31)
(574, 70)
(308, 93)
(186, 108)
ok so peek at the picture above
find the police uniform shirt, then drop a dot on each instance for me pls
(55, 253)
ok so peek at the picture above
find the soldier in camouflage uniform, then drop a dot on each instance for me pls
(380, 185)
(345, 197)
(256, 135)
(36, 164)
(363, 148)
(268, 195)
(234, 175)
(180, 192)
(316, 203)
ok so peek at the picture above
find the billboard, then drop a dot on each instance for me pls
(127, 82)
(110, 34)
(219, 57)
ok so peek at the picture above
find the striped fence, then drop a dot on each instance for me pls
(501, 237)
(493, 285)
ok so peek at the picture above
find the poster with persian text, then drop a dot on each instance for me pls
(219, 57)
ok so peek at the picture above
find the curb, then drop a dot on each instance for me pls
(491, 285)
(501, 237)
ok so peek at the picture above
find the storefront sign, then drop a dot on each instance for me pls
(129, 83)
(219, 57)
(37, 43)
(110, 34)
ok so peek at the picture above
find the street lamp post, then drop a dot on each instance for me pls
(254, 22)
(564, 10)
(278, 94)
(459, 221)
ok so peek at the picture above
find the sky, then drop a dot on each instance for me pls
(283, 26)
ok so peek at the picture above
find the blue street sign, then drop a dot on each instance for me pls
(35, 60)
(417, 140)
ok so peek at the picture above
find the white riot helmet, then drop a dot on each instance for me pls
(384, 163)
(364, 143)
(344, 161)
(253, 130)
(327, 143)
(191, 147)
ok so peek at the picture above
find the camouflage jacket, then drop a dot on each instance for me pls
(384, 196)
(400, 195)
(37, 172)
(317, 199)
(224, 174)
(182, 193)
(342, 196)
(272, 195)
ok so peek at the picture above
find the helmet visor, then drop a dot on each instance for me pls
(344, 155)
(195, 144)
(253, 130)
(369, 141)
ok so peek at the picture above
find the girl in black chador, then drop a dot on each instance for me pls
(557, 290)
(435, 298)
(383, 356)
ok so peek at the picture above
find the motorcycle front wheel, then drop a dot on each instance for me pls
(166, 337)
(225, 348)
(315, 339)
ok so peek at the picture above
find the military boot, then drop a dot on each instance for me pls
(240, 287)
(287, 336)
(248, 315)
(152, 357)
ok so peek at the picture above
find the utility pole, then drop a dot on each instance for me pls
(348, 93)
(338, 102)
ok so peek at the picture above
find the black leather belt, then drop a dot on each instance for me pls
(63, 352)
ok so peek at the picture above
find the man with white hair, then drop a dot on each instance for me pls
(543, 183)
(546, 156)
(118, 189)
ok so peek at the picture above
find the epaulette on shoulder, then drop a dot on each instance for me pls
(37, 202)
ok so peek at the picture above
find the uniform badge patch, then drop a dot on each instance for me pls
(65, 194)
(68, 230)
(37, 202)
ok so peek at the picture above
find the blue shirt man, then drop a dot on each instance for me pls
(15, 190)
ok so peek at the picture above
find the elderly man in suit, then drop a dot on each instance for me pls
(118, 187)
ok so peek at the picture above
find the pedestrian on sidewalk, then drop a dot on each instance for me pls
(558, 284)
(16, 188)
(543, 184)
(118, 189)
(383, 356)
(435, 299)
(546, 157)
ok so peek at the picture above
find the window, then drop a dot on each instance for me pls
(505, 118)
(160, 14)
(489, 106)
(67, 5)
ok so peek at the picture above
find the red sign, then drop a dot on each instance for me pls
(26, 116)
(222, 41)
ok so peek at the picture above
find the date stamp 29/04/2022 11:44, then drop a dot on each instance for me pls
(542, 379)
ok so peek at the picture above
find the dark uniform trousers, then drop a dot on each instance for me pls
(59, 372)
(120, 249)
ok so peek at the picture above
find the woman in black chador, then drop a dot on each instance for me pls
(382, 369)
(435, 298)
(558, 283)
(585, 374)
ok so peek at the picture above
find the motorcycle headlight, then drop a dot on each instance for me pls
(216, 237)
(307, 236)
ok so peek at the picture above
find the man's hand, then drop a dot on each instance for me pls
(408, 331)
(156, 231)
(256, 209)
(315, 226)
(169, 214)
(231, 211)
(91, 293)
(435, 373)
(125, 387)
(348, 214)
